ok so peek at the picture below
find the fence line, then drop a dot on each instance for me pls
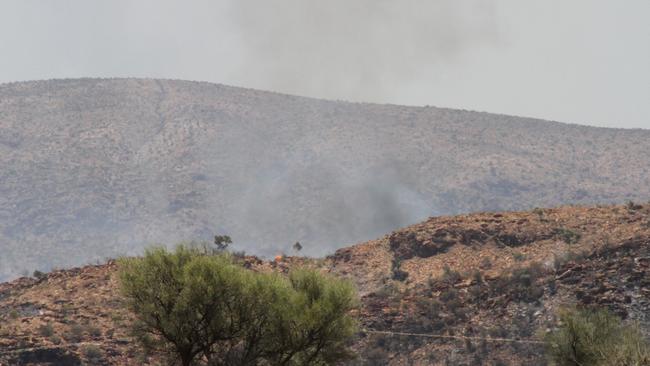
(426, 335)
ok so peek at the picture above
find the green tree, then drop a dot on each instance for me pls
(222, 242)
(205, 309)
(313, 328)
(598, 338)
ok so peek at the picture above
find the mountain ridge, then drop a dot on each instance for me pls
(98, 167)
(263, 91)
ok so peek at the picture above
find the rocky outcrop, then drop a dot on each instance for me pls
(459, 280)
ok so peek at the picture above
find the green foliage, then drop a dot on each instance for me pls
(13, 314)
(222, 242)
(94, 331)
(448, 295)
(598, 338)
(74, 334)
(398, 273)
(92, 353)
(315, 324)
(567, 235)
(205, 308)
(39, 275)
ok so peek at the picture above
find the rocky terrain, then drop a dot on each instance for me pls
(95, 168)
(486, 285)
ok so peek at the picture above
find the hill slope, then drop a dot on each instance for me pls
(93, 168)
(507, 273)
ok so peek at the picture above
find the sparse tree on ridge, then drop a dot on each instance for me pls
(222, 242)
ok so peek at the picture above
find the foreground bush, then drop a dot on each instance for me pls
(204, 309)
(598, 338)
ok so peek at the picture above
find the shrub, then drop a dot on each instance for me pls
(539, 212)
(398, 274)
(13, 314)
(93, 331)
(46, 330)
(74, 333)
(632, 206)
(450, 276)
(205, 308)
(521, 283)
(92, 353)
(239, 254)
(448, 295)
(222, 242)
(476, 292)
(39, 275)
(390, 293)
(423, 316)
(429, 307)
(596, 337)
(568, 236)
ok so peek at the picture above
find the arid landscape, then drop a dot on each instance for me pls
(324, 183)
(492, 275)
(96, 168)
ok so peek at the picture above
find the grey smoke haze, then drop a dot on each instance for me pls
(582, 61)
(358, 49)
(348, 206)
(93, 168)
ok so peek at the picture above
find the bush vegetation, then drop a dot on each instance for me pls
(596, 337)
(74, 333)
(450, 276)
(521, 283)
(46, 330)
(398, 273)
(92, 353)
(206, 309)
(567, 235)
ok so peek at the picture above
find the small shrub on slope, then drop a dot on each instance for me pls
(567, 235)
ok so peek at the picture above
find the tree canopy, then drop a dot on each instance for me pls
(596, 337)
(207, 309)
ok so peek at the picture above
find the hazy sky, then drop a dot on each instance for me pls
(580, 61)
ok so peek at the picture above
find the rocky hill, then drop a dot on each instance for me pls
(95, 168)
(484, 284)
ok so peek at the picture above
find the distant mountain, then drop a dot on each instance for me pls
(93, 168)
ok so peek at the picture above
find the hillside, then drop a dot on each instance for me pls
(95, 168)
(496, 275)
